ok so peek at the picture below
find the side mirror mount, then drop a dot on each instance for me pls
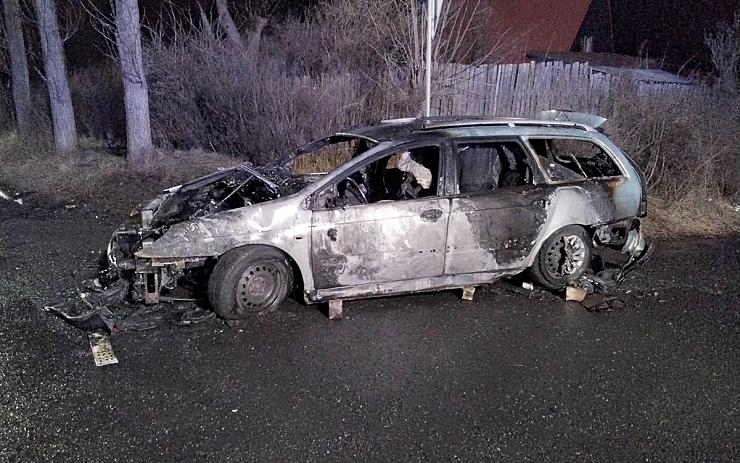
(325, 199)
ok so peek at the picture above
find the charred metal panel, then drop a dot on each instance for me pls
(384, 241)
(495, 231)
(587, 203)
(505, 229)
(282, 223)
(415, 285)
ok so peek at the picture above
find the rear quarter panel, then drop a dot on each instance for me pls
(593, 202)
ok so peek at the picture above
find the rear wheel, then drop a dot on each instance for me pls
(247, 281)
(563, 257)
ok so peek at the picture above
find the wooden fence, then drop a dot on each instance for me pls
(521, 90)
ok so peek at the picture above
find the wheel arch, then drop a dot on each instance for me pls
(298, 280)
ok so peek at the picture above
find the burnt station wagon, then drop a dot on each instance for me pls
(400, 206)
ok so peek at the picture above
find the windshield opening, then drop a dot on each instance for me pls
(321, 157)
(244, 185)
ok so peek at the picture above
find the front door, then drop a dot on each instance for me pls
(381, 222)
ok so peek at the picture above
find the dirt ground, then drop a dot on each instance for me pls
(513, 376)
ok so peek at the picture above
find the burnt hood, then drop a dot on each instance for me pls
(235, 187)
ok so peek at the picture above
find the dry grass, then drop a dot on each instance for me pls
(97, 179)
(691, 217)
(93, 177)
(324, 160)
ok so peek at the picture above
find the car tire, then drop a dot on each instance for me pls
(248, 281)
(563, 258)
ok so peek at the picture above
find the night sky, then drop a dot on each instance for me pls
(671, 28)
(674, 28)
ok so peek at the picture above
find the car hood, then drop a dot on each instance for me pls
(224, 190)
(217, 233)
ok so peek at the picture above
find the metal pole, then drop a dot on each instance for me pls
(430, 20)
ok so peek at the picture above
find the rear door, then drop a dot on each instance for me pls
(499, 207)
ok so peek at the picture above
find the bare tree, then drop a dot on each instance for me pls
(18, 64)
(55, 72)
(400, 27)
(255, 38)
(228, 24)
(251, 48)
(136, 93)
(724, 46)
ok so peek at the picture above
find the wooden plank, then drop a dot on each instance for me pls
(512, 86)
(497, 89)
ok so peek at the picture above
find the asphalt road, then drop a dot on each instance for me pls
(512, 376)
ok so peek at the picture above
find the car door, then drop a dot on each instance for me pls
(389, 238)
(499, 206)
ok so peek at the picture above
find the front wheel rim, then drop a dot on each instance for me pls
(258, 287)
(566, 256)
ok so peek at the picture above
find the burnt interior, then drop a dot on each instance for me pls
(485, 166)
(389, 179)
(574, 158)
(234, 190)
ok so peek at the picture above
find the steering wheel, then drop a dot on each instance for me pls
(407, 190)
(357, 193)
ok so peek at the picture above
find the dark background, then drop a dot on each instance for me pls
(670, 29)
(671, 32)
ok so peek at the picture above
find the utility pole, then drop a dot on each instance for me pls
(434, 7)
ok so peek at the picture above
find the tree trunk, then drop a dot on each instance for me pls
(255, 39)
(55, 70)
(205, 24)
(18, 65)
(136, 94)
(227, 22)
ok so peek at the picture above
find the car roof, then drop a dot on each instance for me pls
(392, 129)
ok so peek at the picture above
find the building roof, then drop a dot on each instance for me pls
(631, 67)
(538, 24)
(653, 76)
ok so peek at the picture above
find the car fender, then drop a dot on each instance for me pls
(283, 224)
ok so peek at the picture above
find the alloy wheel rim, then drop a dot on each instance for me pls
(566, 256)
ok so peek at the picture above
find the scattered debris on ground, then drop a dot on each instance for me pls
(594, 289)
(601, 303)
(574, 293)
(102, 349)
(112, 309)
(121, 318)
(7, 197)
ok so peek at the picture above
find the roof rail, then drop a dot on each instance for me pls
(398, 121)
(506, 122)
(565, 115)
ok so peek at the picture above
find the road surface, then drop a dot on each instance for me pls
(513, 376)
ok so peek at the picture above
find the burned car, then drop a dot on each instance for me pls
(400, 206)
